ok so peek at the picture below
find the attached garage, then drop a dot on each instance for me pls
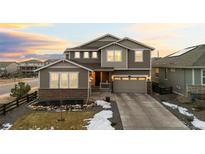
(130, 84)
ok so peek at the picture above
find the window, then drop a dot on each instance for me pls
(54, 80)
(86, 55)
(157, 72)
(114, 56)
(73, 80)
(63, 80)
(203, 77)
(94, 55)
(165, 73)
(77, 54)
(138, 56)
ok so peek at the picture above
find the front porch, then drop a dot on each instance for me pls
(101, 81)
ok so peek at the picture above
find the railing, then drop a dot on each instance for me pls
(4, 108)
(196, 89)
(105, 85)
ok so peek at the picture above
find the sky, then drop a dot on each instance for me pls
(21, 41)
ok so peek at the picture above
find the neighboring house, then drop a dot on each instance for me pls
(27, 67)
(106, 63)
(8, 68)
(49, 61)
(184, 70)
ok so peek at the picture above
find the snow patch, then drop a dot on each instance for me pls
(100, 121)
(198, 123)
(104, 104)
(184, 111)
(6, 126)
(181, 110)
(173, 106)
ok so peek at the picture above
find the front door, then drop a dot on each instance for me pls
(97, 78)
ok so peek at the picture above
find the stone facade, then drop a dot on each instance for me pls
(56, 94)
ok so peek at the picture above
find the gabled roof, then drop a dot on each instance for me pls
(99, 43)
(96, 43)
(137, 42)
(194, 58)
(63, 60)
(31, 61)
(113, 43)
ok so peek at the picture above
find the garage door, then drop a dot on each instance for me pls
(133, 85)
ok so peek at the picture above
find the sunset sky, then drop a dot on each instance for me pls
(25, 41)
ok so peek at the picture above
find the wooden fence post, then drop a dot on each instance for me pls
(27, 98)
(17, 102)
(4, 109)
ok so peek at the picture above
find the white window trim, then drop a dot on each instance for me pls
(193, 76)
(142, 56)
(114, 56)
(69, 81)
(202, 77)
(75, 55)
(59, 83)
(96, 55)
(84, 55)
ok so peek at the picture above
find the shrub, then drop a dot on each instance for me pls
(20, 90)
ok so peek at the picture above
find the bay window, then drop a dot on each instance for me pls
(63, 80)
(114, 56)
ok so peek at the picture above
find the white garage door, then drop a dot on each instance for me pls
(131, 85)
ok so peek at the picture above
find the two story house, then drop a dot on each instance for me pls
(105, 63)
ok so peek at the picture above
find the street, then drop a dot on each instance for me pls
(6, 88)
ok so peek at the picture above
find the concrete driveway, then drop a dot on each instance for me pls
(141, 111)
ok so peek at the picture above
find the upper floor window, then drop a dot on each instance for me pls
(114, 55)
(157, 72)
(94, 55)
(63, 80)
(86, 55)
(138, 56)
(77, 54)
(203, 77)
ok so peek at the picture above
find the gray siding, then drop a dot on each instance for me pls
(84, 60)
(197, 73)
(144, 64)
(44, 74)
(105, 63)
(132, 44)
(179, 80)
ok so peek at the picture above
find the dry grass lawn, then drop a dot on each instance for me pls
(47, 120)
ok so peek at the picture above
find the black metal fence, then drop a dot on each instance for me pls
(161, 89)
(4, 108)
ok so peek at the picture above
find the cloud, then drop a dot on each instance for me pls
(157, 27)
(20, 25)
(14, 44)
(158, 35)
